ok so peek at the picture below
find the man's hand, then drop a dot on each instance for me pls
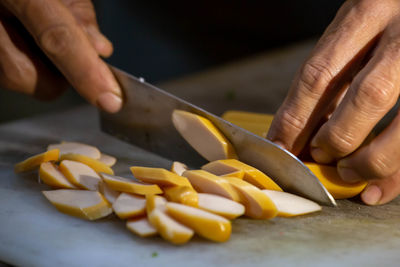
(349, 82)
(67, 33)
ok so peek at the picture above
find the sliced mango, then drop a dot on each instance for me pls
(80, 174)
(155, 202)
(203, 136)
(129, 206)
(128, 185)
(34, 162)
(178, 168)
(251, 174)
(110, 194)
(107, 160)
(205, 182)
(169, 229)
(76, 148)
(236, 174)
(330, 178)
(159, 176)
(290, 205)
(258, 205)
(220, 205)
(51, 175)
(96, 165)
(89, 205)
(141, 227)
(206, 224)
(182, 194)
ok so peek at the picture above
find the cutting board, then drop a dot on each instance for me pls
(34, 233)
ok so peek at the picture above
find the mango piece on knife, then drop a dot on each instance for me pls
(76, 148)
(182, 194)
(51, 175)
(330, 178)
(203, 136)
(205, 182)
(290, 205)
(129, 206)
(122, 184)
(80, 174)
(89, 205)
(220, 206)
(206, 224)
(141, 227)
(251, 174)
(107, 160)
(34, 162)
(159, 176)
(178, 168)
(96, 165)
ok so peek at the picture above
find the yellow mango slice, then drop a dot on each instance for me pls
(129, 206)
(89, 205)
(32, 163)
(122, 184)
(76, 148)
(205, 182)
(258, 205)
(155, 202)
(110, 194)
(236, 174)
(220, 205)
(182, 194)
(141, 227)
(257, 123)
(51, 175)
(107, 160)
(251, 174)
(290, 205)
(178, 168)
(169, 229)
(206, 224)
(159, 176)
(203, 136)
(96, 165)
(80, 174)
(330, 178)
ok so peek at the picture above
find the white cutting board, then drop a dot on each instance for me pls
(34, 233)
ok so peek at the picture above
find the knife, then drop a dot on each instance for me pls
(145, 121)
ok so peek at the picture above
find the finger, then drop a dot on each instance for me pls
(372, 94)
(62, 40)
(382, 191)
(334, 60)
(84, 13)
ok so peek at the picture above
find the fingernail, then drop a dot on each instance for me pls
(109, 102)
(320, 156)
(348, 175)
(371, 195)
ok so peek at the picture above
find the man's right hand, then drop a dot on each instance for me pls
(67, 33)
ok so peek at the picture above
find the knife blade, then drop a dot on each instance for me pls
(145, 121)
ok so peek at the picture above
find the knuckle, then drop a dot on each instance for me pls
(340, 142)
(56, 39)
(376, 91)
(378, 165)
(313, 74)
(291, 122)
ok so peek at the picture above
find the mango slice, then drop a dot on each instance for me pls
(89, 205)
(330, 178)
(220, 205)
(141, 227)
(159, 176)
(129, 206)
(155, 202)
(182, 194)
(80, 174)
(122, 184)
(110, 194)
(107, 160)
(206, 224)
(251, 174)
(34, 162)
(203, 136)
(178, 168)
(96, 165)
(169, 229)
(257, 123)
(76, 148)
(236, 174)
(51, 175)
(258, 205)
(205, 182)
(290, 205)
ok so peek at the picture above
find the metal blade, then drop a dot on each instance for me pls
(145, 120)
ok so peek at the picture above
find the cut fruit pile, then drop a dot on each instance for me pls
(175, 203)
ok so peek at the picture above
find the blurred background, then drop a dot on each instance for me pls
(166, 40)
